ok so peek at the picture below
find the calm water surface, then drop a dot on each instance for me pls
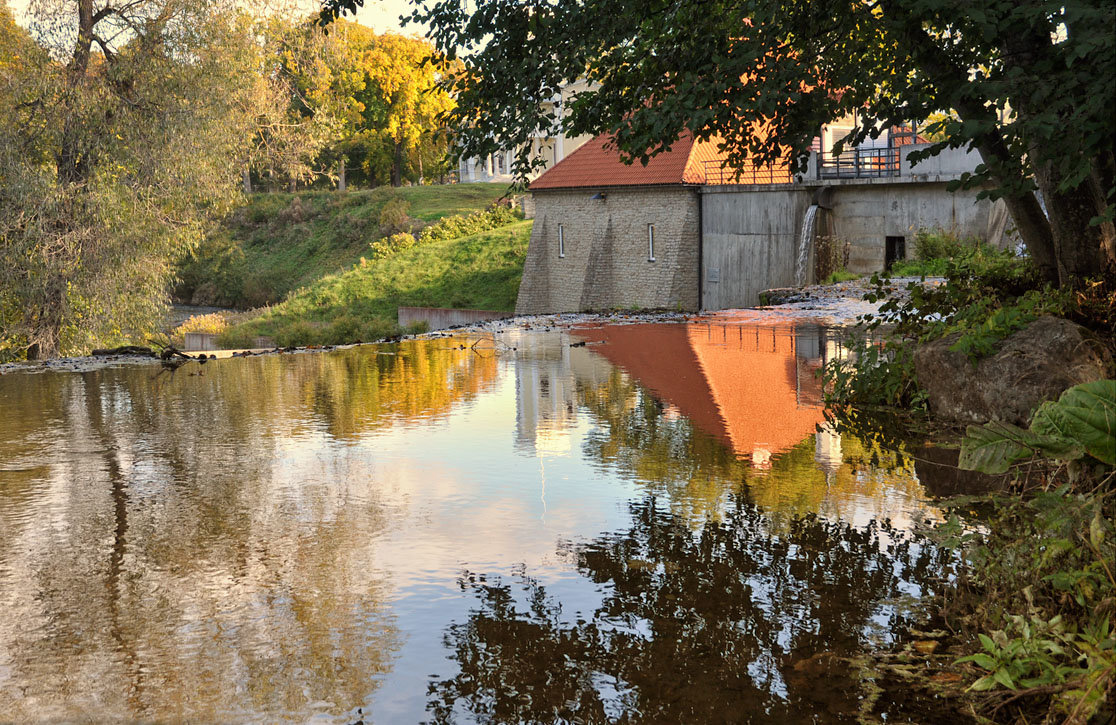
(639, 523)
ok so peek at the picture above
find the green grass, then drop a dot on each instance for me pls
(480, 271)
(840, 275)
(279, 242)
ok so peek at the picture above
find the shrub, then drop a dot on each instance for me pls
(237, 338)
(297, 334)
(394, 218)
(212, 324)
(390, 245)
(464, 225)
(987, 296)
(939, 244)
(831, 255)
(295, 213)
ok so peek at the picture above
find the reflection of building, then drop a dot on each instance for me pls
(547, 374)
(754, 387)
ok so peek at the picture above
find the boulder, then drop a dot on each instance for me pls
(1033, 365)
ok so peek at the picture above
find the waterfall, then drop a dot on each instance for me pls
(809, 225)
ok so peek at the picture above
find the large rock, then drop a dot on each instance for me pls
(1034, 365)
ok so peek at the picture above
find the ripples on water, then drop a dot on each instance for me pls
(648, 523)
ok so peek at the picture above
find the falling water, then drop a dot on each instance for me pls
(809, 223)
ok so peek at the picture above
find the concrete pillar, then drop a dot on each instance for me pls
(559, 152)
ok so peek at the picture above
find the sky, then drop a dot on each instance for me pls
(380, 15)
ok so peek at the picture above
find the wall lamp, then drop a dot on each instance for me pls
(599, 196)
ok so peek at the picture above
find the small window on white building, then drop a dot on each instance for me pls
(561, 240)
(650, 242)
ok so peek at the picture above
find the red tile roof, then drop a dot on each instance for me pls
(596, 163)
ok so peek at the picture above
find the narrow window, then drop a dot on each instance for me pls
(561, 240)
(650, 242)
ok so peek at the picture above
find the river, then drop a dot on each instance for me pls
(639, 523)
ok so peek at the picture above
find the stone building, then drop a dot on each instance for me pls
(614, 235)
(684, 232)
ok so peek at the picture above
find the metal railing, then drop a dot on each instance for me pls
(859, 163)
(716, 174)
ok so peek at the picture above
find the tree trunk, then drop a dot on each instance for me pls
(72, 162)
(341, 175)
(397, 165)
(246, 178)
(1005, 168)
(1083, 249)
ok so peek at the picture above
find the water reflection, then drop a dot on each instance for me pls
(734, 623)
(283, 537)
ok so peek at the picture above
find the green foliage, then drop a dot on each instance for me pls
(478, 271)
(934, 248)
(390, 245)
(496, 215)
(393, 217)
(881, 373)
(255, 259)
(932, 244)
(840, 275)
(986, 296)
(114, 157)
(1041, 604)
(1081, 422)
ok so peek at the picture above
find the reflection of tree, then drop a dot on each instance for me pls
(640, 438)
(731, 622)
(188, 556)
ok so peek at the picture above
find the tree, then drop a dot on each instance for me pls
(122, 130)
(403, 101)
(1028, 85)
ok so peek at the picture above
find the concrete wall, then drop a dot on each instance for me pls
(439, 318)
(949, 163)
(749, 241)
(865, 214)
(750, 235)
(605, 263)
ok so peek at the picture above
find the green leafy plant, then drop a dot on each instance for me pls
(1040, 593)
(457, 226)
(393, 217)
(390, 245)
(1082, 422)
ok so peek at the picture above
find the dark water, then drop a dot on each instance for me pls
(653, 526)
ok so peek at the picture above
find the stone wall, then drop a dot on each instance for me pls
(606, 261)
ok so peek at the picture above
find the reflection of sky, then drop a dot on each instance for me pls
(457, 507)
(269, 546)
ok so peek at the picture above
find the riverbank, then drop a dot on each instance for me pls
(279, 242)
(840, 306)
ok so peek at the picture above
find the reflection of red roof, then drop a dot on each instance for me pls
(737, 383)
(597, 163)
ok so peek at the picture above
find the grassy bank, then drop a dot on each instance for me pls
(479, 271)
(279, 242)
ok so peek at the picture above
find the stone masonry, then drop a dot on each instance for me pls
(606, 261)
